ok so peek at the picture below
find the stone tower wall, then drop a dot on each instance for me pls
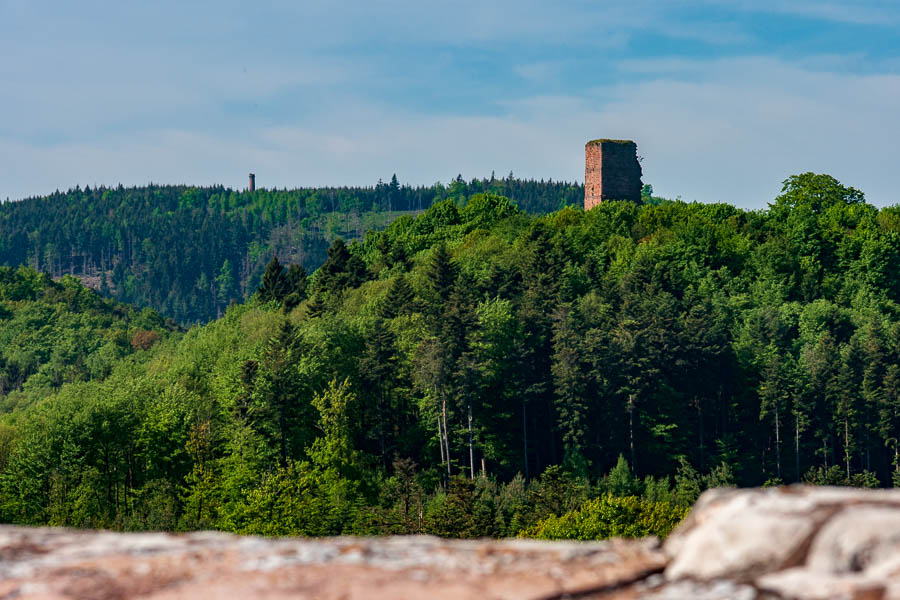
(611, 172)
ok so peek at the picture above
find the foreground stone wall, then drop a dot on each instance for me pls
(745, 544)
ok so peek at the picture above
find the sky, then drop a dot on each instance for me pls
(725, 99)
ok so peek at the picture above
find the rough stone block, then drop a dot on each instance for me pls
(611, 172)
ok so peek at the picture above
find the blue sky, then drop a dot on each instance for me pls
(724, 98)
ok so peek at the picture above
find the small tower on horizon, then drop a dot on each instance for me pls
(611, 172)
(252, 186)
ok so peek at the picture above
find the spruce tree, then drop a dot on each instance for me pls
(296, 286)
(274, 284)
(441, 273)
(399, 299)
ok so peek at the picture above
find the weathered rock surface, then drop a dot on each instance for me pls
(57, 564)
(775, 543)
(793, 542)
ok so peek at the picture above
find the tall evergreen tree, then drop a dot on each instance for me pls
(274, 286)
(399, 299)
(296, 284)
(569, 387)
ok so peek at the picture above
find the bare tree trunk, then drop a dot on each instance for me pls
(471, 452)
(797, 444)
(446, 432)
(381, 433)
(847, 445)
(777, 444)
(631, 430)
(525, 436)
(441, 439)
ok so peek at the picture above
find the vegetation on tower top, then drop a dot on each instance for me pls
(609, 141)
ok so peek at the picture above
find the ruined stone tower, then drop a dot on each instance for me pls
(611, 172)
(252, 184)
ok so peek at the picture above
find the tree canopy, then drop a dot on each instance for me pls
(476, 370)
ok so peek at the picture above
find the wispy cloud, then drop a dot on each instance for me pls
(865, 12)
(310, 94)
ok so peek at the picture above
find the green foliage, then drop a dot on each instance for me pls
(620, 481)
(189, 252)
(610, 516)
(460, 513)
(274, 285)
(299, 500)
(52, 333)
(527, 364)
(834, 475)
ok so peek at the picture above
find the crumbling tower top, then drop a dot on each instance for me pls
(611, 172)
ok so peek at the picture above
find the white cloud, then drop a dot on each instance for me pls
(861, 12)
(298, 93)
(732, 136)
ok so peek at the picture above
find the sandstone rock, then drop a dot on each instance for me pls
(812, 585)
(740, 535)
(859, 538)
(62, 564)
(702, 590)
(795, 542)
(771, 544)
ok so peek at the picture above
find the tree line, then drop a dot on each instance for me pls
(477, 370)
(188, 252)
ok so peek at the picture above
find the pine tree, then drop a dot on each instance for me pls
(377, 368)
(889, 414)
(569, 388)
(341, 270)
(274, 286)
(441, 273)
(296, 286)
(399, 299)
(774, 394)
(280, 413)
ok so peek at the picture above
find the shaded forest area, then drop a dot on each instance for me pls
(188, 252)
(478, 370)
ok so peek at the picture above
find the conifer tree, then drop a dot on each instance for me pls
(399, 299)
(441, 273)
(296, 286)
(274, 285)
(377, 367)
(569, 388)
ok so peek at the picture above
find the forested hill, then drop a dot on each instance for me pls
(58, 332)
(473, 370)
(188, 252)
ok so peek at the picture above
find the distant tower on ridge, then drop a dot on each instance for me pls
(252, 186)
(611, 172)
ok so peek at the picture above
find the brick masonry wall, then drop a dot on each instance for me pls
(611, 172)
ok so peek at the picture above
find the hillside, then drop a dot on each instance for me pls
(188, 252)
(647, 350)
(58, 332)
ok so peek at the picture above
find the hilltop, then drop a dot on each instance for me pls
(188, 252)
(58, 332)
(477, 370)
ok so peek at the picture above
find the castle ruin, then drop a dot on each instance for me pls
(611, 172)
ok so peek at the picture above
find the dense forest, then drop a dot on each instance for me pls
(188, 252)
(57, 332)
(478, 370)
